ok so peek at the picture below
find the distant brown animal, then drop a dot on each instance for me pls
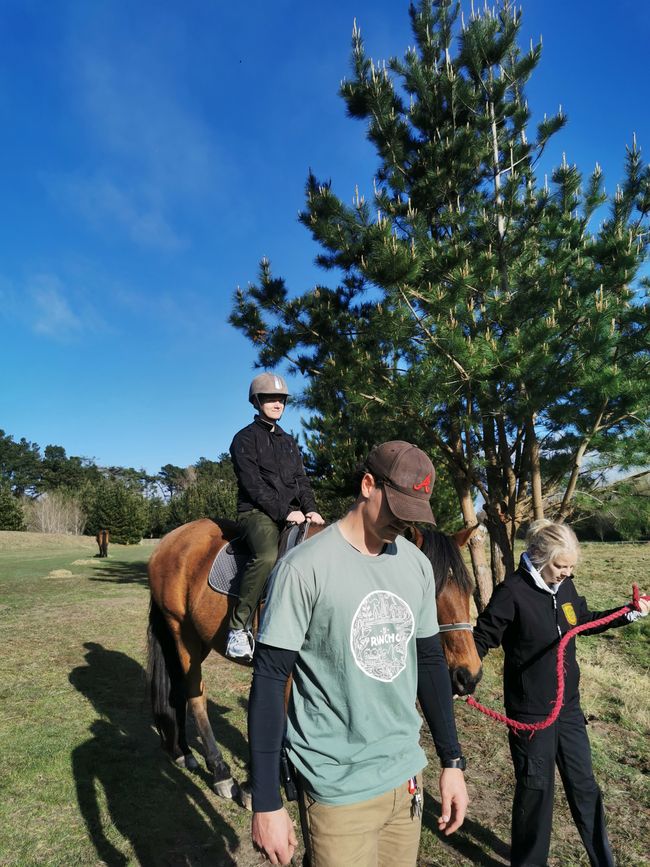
(187, 619)
(102, 538)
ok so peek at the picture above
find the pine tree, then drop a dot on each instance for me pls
(11, 513)
(480, 308)
(112, 505)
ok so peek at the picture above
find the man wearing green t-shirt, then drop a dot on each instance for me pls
(351, 614)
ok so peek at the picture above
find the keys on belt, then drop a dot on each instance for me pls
(416, 798)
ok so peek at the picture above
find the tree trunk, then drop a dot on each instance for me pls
(480, 568)
(501, 558)
(535, 469)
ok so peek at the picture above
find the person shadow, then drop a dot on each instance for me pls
(473, 841)
(128, 790)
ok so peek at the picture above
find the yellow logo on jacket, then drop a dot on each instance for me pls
(569, 613)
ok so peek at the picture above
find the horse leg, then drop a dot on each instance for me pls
(167, 691)
(190, 652)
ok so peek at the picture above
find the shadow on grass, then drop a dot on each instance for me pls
(126, 787)
(121, 572)
(472, 841)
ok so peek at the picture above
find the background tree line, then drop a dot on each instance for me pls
(52, 492)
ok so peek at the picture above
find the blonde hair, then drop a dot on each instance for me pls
(546, 540)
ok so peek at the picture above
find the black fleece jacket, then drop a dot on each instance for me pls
(270, 473)
(529, 623)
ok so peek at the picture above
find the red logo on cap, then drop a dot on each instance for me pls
(425, 483)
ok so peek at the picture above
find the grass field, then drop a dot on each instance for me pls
(84, 781)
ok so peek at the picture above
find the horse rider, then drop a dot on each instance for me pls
(351, 616)
(273, 489)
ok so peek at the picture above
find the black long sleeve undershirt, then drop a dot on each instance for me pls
(435, 696)
(266, 723)
(266, 713)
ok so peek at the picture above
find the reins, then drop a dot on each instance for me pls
(517, 726)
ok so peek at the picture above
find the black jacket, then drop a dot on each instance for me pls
(529, 623)
(270, 474)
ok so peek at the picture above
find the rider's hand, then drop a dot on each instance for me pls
(315, 518)
(296, 517)
(644, 606)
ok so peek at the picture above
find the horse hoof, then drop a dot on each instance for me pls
(246, 796)
(227, 789)
(188, 762)
(191, 763)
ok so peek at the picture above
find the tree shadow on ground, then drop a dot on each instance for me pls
(472, 841)
(128, 790)
(120, 572)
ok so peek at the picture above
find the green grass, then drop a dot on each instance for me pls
(84, 781)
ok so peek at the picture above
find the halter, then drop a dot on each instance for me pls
(455, 627)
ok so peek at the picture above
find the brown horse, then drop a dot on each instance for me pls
(187, 619)
(102, 539)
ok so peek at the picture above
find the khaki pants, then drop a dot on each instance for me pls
(380, 832)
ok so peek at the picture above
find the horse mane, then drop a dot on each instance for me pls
(446, 560)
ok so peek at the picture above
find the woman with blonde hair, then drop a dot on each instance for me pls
(527, 615)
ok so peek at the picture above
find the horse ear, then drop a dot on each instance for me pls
(463, 536)
(415, 535)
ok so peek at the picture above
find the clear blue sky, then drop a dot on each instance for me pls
(153, 152)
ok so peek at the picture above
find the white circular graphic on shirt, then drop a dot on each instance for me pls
(381, 630)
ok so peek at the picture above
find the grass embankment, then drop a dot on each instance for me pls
(84, 781)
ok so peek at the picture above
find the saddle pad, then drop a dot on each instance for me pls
(228, 566)
(226, 571)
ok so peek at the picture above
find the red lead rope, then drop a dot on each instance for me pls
(514, 724)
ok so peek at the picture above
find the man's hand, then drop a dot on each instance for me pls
(295, 517)
(274, 834)
(315, 518)
(454, 800)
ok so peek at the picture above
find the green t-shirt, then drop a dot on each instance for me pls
(353, 727)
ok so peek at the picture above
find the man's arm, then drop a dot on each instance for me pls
(272, 829)
(434, 695)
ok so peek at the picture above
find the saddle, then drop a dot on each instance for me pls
(230, 562)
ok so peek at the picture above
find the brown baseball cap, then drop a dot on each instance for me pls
(408, 476)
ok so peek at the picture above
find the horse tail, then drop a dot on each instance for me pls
(166, 682)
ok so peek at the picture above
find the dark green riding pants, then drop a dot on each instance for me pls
(262, 535)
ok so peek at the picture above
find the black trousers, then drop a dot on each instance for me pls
(566, 744)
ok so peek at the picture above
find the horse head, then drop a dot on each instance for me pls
(454, 587)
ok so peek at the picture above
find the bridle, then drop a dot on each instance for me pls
(455, 627)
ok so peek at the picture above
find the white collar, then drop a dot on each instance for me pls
(537, 576)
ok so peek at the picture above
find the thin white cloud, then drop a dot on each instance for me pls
(101, 200)
(50, 308)
(53, 315)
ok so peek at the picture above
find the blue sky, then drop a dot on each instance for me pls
(153, 152)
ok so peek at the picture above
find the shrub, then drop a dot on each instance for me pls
(11, 513)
